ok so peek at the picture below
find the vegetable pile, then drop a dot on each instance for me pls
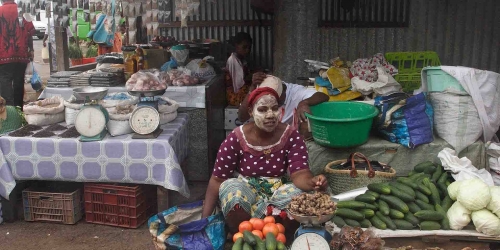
(355, 238)
(312, 204)
(421, 199)
(260, 234)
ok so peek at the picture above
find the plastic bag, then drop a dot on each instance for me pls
(201, 69)
(462, 168)
(144, 81)
(385, 84)
(180, 53)
(36, 81)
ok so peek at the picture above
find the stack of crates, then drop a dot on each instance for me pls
(410, 65)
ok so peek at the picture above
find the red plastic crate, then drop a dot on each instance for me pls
(118, 204)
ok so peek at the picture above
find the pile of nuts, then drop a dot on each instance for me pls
(312, 204)
(353, 238)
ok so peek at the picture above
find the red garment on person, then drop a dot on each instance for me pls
(14, 35)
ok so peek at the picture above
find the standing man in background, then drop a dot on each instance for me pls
(16, 51)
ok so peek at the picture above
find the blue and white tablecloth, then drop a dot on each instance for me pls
(114, 159)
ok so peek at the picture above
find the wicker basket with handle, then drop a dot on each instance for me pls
(345, 180)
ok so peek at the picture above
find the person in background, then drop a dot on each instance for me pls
(10, 117)
(51, 35)
(117, 41)
(260, 167)
(16, 51)
(295, 100)
(238, 77)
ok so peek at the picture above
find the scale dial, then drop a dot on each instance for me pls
(90, 121)
(310, 241)
(144, 120)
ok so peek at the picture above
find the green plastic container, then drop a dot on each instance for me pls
(440, 81)
(341, 124)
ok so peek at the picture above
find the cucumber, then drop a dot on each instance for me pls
(411, 218)
(370, 206)
(381, 188)
(403, 225)
(422, 188)
(247, 246)
(270, 241)
(351, 204)
(378, 223)
(437, 174)
(443, 178)
(413, 207)
(347, 213)
(352, 223)
(415, 176)
(395, 203)
(365, 223)
(390, 224)
(401, 195)
(365, 198)
(374, 194)
(368, 213)
(429, 225)
(407, 182)
(238, 244)
(445, 222)
(412, 173)
(338, 221)
(383, 207)
(423, 205)
(395, 214)
(448, 183)
(261, 245)
(403, 187)
(443, 189)
(249, 238)
(435, 198)
(446, 203)
(421, 196)
(424, 167)
(429, 215)
(280, 246)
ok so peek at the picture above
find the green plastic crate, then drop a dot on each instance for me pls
(410, 65)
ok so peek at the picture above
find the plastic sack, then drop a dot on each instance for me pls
(462, 168)
(385, 84)
(201, 69)
(144, 81)
(36, 81)
(181, 227)
(118, 123)
(44, 119)
(172, 64)
(180, 53)
(119, 99)
(53, 105)
(167, 105)
(456, 119)
(404, 120)
(493, 150)
(167, 117)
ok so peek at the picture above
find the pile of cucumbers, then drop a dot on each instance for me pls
(250, 241)
(419, 200)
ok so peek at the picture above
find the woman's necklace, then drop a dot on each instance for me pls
(267, 152)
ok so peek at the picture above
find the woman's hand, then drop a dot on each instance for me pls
(319, 182)
(257, 79)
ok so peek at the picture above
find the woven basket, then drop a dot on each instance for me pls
(345, 180)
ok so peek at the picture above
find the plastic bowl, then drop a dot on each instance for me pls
(341, 124)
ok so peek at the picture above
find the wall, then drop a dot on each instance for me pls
(462, 32)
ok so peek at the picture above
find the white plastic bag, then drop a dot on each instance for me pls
(116, 99)
(493, 150)
(118, 123)
(462, 168)
(456, 119)
(167, 117)
(53, 105)
(385, 84)
(70, 115)
(167, 105)
(44, 119)
(201, 69)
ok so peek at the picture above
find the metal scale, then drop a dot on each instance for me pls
(312, 233)
(145, 119)
(92, 118)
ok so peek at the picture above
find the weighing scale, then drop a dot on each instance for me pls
(92, 118)
(312, 233)
(145, 119)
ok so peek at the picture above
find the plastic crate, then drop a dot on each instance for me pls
(118, 205)
(439, 81)
(410, 65)
(60, 206)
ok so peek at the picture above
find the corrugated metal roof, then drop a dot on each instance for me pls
(462, 32)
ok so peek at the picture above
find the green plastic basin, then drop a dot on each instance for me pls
(341, 124)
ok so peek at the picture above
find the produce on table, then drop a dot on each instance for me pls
(486, 222)
(494, 205)
(144, 81)
(312, 204)
(459, 216)
(474, 194)
(355, 238)
(181, 78)
(260, 234)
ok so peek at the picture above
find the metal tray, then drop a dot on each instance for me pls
(150, 93)
(92, 93)
(311, 220)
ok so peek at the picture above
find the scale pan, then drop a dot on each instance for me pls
(92, 93)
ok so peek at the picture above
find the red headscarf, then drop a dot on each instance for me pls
(260, 92)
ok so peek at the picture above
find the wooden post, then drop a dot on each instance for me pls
(62, 58)
(162, 196)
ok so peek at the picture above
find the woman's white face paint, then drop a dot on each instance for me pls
(266, 112)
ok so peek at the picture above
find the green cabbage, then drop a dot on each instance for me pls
(458, 215)
(486, 222)
(474, 194)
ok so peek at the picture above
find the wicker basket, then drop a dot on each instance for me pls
(345, 180)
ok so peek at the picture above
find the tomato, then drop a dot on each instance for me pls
(269, 219)
(271, 228)
(258, 233)
(236, 236)
(281, 227)
(257, 224)
(245, 225)
(281, 238)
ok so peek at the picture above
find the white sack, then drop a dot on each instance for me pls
(201, 69)
(385, 84)
(53, 105)
(167, 105)
(493, 150)
(44, 119)
(117, 127)
(110, 103)
(70, 115)
(456, 119)
(167, 117)
(462, 168)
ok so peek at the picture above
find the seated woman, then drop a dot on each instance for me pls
(10, 117)
(255, 163)
(238, 77)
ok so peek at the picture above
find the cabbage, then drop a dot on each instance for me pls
(494, 205)
(453, 189)
(474, 194)
(486, 222)
(458, 216)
